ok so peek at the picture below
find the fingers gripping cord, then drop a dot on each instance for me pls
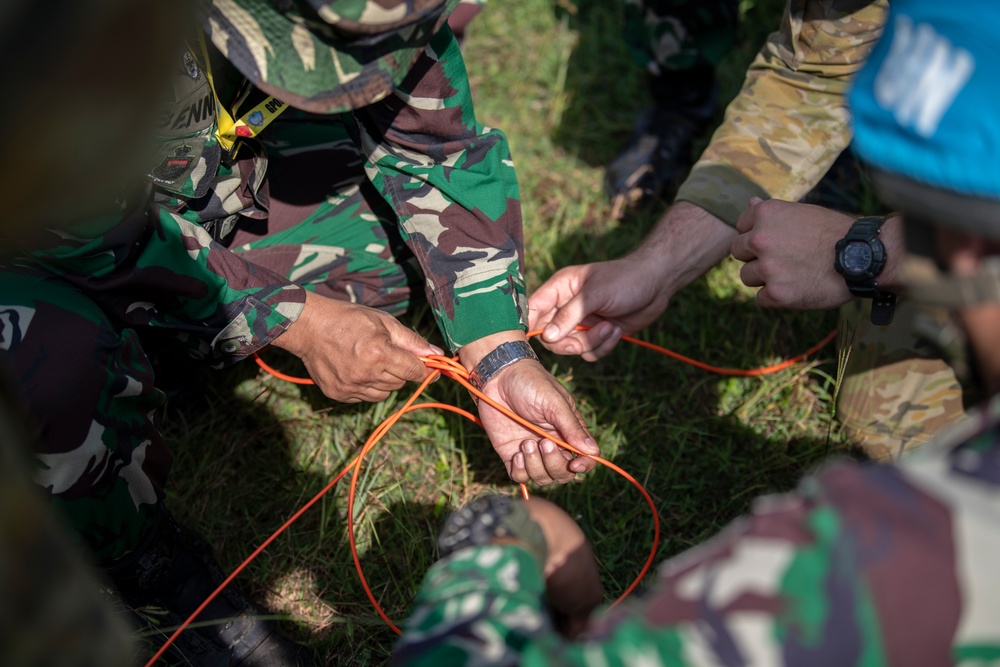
(451, 368)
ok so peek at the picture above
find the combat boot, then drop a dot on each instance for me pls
(658, 155)
(165, 580)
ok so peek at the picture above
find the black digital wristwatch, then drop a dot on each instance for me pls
(861, 257)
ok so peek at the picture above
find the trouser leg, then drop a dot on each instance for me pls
(896, 392)
(88, 387)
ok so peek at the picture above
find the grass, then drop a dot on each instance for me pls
(250, 449)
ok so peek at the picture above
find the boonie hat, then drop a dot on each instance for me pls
(325, 56)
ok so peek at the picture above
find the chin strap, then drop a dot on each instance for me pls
(927, 284)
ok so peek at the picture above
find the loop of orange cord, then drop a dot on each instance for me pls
(450, 367)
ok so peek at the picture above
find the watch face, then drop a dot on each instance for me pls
(856, 257)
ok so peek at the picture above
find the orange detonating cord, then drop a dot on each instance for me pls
(450, 367)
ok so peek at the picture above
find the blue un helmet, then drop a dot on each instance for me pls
(926, 110)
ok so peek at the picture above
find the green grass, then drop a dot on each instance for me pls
(250, 450)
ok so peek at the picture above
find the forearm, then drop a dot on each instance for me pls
(451, 182)
(790, 121)
(686, 243)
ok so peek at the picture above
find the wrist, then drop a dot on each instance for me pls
(294, 338)
(892, 237)
(499, 360)
(686, 243)
(472, 353)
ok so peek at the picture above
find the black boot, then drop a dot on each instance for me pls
(169, 577)
(658, 155)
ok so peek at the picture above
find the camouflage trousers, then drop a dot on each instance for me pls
(87, 380)
(673, 35)
(896, 392)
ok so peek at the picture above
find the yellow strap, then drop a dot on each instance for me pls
(250, 124)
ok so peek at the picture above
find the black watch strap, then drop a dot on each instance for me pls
(883, 308)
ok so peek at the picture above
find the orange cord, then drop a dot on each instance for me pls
(450, 367)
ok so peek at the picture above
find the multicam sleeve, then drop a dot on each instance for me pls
(452, 184)
(160, 270)
(790, 121)
(872, 565)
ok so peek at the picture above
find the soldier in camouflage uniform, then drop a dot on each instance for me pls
(780, 135)
(53, 612)
(377, 179)
(864, 564)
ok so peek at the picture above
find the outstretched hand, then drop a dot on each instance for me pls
(613, 298)
(355, 353)
(531, 392)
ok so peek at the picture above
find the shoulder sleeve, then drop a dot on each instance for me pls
(160, 270)
(790, 121)
(452, 184)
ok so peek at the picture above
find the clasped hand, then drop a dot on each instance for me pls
(355, 353)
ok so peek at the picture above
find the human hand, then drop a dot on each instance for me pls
(614, 298)
(789, 253)
(355, 353)
(625, 295)
(529, 391)
(573, 585)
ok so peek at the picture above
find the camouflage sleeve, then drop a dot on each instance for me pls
(790, 121)
(873, 565)
(160, 270)
(452, 184)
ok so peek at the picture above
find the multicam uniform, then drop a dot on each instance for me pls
(220, 258)
(873, 565)
(780, 136)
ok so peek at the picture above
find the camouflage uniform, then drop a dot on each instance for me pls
(780, 136)
(671, 35)
(874, 565)
(220, 254)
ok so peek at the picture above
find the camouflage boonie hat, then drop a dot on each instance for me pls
(325, 57)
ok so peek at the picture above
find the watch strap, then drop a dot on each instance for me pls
(865, 229)
(487, 518)
(500, 358)
(883, 308)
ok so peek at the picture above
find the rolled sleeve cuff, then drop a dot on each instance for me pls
(481, 308)
(257, 323)
(720, 189)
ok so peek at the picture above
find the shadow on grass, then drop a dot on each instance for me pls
(241, 470)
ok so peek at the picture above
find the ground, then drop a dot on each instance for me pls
(251, 450)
